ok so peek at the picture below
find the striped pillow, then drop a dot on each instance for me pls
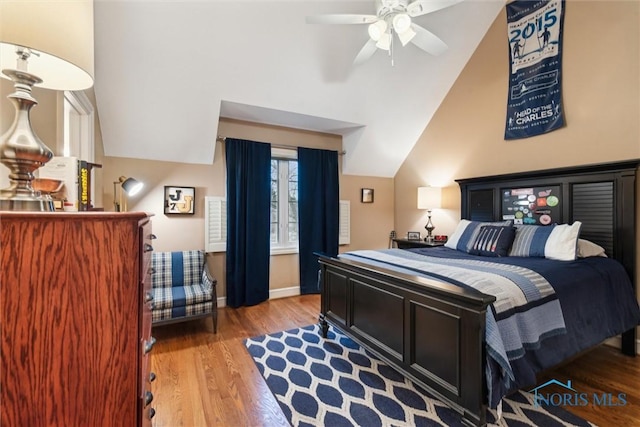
(559, 242)
(466, 232)
(493, 241)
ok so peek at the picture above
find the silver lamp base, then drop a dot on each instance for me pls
(36, 204)
(22, 151)
(429, 227)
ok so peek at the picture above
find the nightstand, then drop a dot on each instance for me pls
(408, 244)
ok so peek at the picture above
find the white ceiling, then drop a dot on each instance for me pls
(167, 70)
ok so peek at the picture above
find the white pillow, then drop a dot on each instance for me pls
(562, 243)
(587, 249)
(452, 242)
(559, 242)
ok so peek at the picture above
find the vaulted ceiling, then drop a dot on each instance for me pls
(167, 70)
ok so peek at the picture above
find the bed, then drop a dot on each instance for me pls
(439, 332)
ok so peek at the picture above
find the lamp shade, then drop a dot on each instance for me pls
(401, 23)
(60, 32)
(131, 186)
(429, 198)
(377, 29)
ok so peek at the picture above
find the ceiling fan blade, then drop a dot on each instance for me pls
(366, 52)
(341, 19)
(422, 7)
(428, 41)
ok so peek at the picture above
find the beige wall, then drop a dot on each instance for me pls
(601, 96)
(370, 223)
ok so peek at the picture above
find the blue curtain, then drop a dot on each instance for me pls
(248, 217)
(318, 212)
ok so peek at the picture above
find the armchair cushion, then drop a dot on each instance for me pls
(180, 296)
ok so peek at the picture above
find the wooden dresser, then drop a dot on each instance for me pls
(75, 319)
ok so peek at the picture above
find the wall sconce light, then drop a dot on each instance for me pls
(38, 48)
(429, 198)
(122, 188)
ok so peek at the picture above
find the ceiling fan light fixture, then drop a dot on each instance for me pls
(377, 29)
(391, 16)
(407, 36)
(401, 23)
(385, 42)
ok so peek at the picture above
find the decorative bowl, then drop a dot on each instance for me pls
(47, 185)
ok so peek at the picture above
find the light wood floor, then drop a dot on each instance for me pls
(210, 380)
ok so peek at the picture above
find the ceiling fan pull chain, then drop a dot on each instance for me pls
(391, 47)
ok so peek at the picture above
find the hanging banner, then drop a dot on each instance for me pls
(535, 67)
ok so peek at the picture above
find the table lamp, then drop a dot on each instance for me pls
(48, 44)
(429, 198)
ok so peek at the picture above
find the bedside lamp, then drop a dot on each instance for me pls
(429, 198)
(48, 44)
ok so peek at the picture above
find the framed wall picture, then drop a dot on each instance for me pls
(179, 200)
(413, 235)
(366, 195)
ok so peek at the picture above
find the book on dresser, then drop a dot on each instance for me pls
(76, 319)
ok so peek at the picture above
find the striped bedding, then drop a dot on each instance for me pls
(543, 311)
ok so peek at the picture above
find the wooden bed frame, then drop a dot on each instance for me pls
(434, 333)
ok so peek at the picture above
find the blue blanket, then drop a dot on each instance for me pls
(525, 312)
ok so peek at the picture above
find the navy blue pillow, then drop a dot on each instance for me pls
(493, 241)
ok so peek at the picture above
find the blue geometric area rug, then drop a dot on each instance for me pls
(334, 382)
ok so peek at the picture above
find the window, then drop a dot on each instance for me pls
(284, 201)
(284, 209)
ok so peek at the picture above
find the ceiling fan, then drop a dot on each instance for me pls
(393, 17)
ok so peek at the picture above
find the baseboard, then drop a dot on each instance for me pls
(617, 343)
(284, 292)
(273, 294)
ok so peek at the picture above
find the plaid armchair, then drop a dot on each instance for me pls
(183, 288)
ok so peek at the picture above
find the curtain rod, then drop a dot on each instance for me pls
(289, 147)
